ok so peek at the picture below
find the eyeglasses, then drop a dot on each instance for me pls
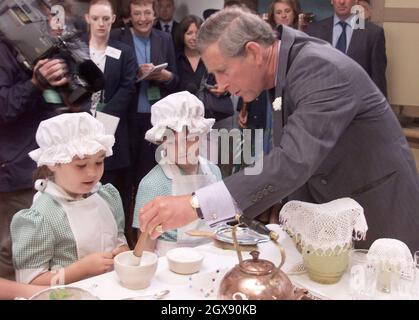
(146, 14)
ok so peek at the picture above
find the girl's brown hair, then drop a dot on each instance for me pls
(42, 173)
(295, 6)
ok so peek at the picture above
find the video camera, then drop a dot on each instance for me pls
(25, 25)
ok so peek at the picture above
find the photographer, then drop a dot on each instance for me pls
(22, 108)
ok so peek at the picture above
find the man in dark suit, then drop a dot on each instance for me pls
(152, 47)
(363, 43)
(165, 21)
(335, 134)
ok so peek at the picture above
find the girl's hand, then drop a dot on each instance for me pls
(97, 263)
(119, 249)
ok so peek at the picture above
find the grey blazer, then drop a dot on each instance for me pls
(367, 47)
(336, 136)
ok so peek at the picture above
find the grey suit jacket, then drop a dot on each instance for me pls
(336, 136)
(367, 47)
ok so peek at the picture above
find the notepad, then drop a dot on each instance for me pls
(154, 69)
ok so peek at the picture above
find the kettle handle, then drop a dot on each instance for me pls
(282, 251)
(239, 253)
(236, 244)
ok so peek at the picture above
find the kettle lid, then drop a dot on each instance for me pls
(257, 266)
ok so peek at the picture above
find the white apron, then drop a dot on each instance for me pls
(91, 221)
(93, 225)
(181, 185)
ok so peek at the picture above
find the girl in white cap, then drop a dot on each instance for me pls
(75, 225)
(178, 127)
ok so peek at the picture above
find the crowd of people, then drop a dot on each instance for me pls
(334, 135)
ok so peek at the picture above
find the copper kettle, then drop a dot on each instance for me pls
(257, 279)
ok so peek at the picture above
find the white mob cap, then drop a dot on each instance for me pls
(176, 111)
(63, 137)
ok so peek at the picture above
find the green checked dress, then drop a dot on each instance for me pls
(155, 184)
(46, 237)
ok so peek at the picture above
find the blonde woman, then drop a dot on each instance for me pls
(117, 62)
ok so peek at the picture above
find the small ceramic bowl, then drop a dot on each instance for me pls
(135, 277)
(184, 260)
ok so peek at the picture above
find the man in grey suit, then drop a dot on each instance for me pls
(335, 134)
(363, 43)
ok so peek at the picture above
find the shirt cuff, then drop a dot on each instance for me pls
(216, 203)
(27, 275)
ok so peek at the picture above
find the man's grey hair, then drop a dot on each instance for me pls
(232, 29)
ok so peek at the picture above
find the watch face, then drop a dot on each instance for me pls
(194, 202)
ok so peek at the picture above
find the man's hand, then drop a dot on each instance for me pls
(53, 71)
(170, 212)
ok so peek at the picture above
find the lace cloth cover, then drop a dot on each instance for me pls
(392, 255)
(327, 228)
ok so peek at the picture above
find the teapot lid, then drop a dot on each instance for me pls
(257, 266)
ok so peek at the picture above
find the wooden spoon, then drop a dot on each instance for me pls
(139, 248)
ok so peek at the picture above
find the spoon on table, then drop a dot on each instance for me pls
(135, 258)
(157, 295)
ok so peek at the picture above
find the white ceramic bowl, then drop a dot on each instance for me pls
(135, 276)
(184, 260)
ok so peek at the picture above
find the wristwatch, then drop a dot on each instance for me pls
(195, 204)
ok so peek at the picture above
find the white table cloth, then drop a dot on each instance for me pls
(199, 285)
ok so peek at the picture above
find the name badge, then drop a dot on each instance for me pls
(110, 122)
(153, 93)
(113, 52)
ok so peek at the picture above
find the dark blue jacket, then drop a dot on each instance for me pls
(22, 108)
(162, 51)
(119, 95)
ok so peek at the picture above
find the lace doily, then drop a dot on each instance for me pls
(325, 227)
(391, 254)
